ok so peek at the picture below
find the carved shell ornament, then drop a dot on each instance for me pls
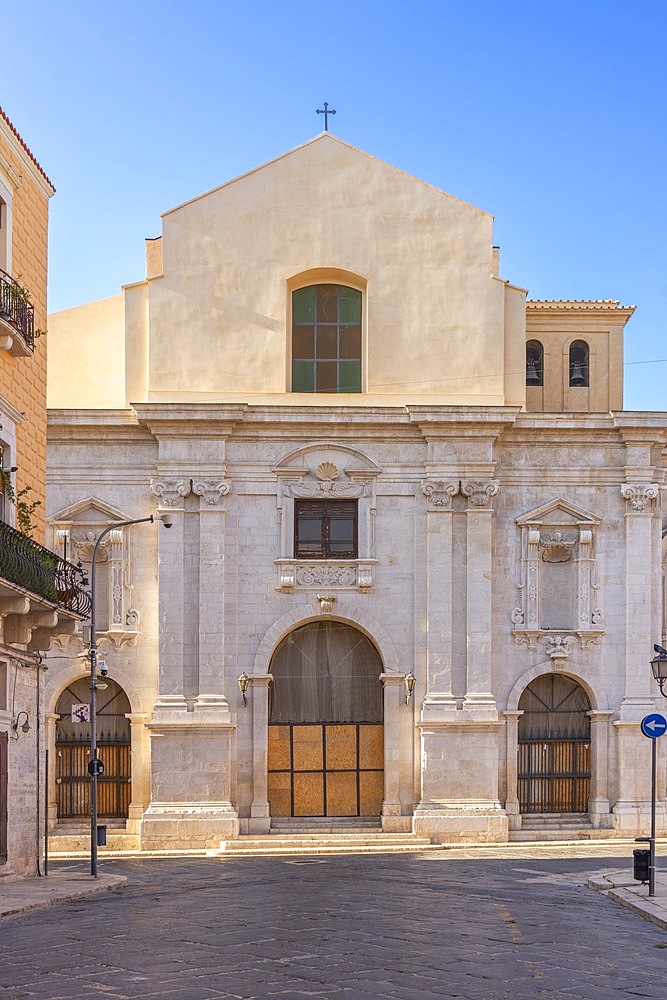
(557, 548)
(326, 471)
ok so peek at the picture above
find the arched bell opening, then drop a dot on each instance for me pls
(114, 786)
(326, 731)
(554, 751)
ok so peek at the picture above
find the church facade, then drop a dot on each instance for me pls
(415, 569)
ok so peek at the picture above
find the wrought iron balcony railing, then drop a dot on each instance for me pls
(16, 309)
(42, 572)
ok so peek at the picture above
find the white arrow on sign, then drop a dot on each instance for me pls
(654, 724)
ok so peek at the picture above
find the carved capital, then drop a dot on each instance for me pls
(479, 492)
(210, 490)
(640, 495)
(170, 492)
(439, 492)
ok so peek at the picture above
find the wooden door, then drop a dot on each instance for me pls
(326, 769)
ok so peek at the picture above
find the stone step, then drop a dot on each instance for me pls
(79, 843)
(545, 821)
(301, 829)
(323, 843)
(340, 822)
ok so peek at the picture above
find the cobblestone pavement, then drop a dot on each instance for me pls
(468, 924)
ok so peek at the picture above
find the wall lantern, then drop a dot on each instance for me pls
(410, 681)
(23, 726)
(243, 683)
(659, 667)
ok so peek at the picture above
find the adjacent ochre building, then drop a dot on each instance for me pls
(414, 572)
(40, 593)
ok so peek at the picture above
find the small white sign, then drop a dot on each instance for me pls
(80, 713)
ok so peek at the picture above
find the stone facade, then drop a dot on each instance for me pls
(506, 541)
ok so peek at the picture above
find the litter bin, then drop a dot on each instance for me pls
(102, 840)
(641, 862)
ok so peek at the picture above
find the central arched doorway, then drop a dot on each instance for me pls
(73, 751)
(554, 765)
(326, 732)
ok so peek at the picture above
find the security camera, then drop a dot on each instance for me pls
(104, 669)
(166, 519)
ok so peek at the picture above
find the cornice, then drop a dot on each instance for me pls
(20, 147)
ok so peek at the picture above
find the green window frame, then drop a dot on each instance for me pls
(326, 339)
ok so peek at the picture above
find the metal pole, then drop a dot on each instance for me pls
(93, 691)
(46, 811)
(651, 869)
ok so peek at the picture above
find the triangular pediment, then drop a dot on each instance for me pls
(91, 510)
(324, 152)
(559, 512)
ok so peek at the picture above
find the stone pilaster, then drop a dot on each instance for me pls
(394, 697)
(211, 632)
(511, 769)
(479, 698)
(439, 698)
(598, 803)
(171, 596)
(260, 810)
(50, 719)
(140, 775)
(642, 565)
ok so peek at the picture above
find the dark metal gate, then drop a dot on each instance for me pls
(554, 776)
(73, 780)
(554, 756)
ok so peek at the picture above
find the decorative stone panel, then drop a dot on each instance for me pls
(557, 579)
(326, 472)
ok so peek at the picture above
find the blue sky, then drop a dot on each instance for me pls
(550, 116)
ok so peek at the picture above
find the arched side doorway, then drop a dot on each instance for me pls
(326, 732)
(554, 753)
(73, 751)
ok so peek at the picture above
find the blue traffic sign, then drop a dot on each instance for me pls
(654, 725)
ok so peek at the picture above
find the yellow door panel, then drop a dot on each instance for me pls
(341, 744)
(341, 793)
(307, 748)
(309, 794)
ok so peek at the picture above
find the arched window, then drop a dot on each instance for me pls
(534, 363)
(579, 363)
(326, 339)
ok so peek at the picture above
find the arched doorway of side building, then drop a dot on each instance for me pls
(326, 732)
(554, 753)
(114, 787)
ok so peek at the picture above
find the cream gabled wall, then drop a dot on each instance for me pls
(439, 325)
(86, 351)
(434, 314)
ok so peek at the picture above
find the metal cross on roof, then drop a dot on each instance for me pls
(326, 114)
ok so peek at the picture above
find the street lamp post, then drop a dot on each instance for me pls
(95, 766)
(654, 726)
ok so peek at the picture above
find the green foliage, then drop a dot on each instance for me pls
(25, 508)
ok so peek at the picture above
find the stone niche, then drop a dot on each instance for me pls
(556, 575)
